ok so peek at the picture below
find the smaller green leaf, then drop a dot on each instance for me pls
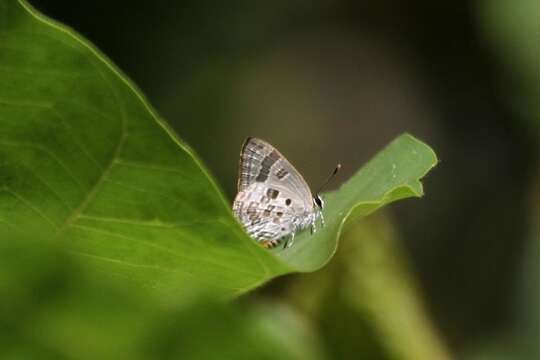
(393, 174)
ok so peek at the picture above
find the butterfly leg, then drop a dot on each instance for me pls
(322, 220)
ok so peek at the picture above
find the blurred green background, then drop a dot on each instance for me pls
(334, 81)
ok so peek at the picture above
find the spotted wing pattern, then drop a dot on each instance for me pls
(260, 162)
(273, 200)
(265, 214)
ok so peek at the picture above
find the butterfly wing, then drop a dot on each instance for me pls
(273, 199)
(270, 214)
(260, 162)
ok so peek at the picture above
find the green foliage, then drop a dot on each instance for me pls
(392, 175)
(367, 301)
(87, 162)
(116, 241)
(53, 308)
(511, 28)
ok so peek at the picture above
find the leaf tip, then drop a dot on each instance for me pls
(433, 159)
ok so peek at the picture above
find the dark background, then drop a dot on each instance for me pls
(329, 81)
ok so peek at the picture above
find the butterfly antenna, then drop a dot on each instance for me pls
(321, 188)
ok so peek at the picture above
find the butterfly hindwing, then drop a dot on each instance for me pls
(269, 215)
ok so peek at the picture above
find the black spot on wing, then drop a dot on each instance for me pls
(272, 193)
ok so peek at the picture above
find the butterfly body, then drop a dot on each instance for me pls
(273, 201)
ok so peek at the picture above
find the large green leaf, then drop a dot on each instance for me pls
(85, 160)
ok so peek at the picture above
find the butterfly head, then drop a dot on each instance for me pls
(318, 201)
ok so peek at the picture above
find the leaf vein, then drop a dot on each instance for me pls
(164, 249)
(95, 188)
(30, 206)
(49, 153)
(149, 223)
(147, 166)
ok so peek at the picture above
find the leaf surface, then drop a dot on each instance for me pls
(86, 161)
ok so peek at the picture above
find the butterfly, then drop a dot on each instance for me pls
(274, 202)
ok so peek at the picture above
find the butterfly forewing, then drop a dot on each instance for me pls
(260, 162)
